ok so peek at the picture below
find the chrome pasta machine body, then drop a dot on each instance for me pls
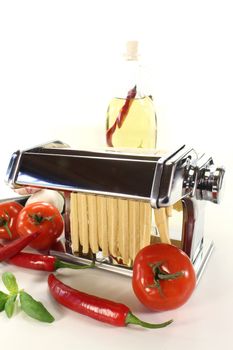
(117, 201)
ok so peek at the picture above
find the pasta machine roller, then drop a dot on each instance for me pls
(110, 196)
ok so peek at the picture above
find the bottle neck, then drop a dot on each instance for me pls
(129, 76)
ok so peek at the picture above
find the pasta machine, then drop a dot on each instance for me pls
(110, 195)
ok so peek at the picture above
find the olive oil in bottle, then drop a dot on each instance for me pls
(131, 119)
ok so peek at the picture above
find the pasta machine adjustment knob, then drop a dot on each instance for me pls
(210, 183)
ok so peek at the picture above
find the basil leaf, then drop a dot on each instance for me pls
(34, 309)
(3, 299)
(10, 282)
(10, 305)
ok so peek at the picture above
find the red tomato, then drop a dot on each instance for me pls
(152, 281)
(43, 218)
(56, 246)
(9, 212)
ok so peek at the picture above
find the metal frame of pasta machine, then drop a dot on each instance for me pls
(148, 176)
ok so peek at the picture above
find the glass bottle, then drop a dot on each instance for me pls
(131, 119)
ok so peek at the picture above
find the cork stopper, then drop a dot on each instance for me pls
(131, 50)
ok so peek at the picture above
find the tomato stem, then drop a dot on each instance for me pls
(160, 274)
(38, 219)
(8, 229)
(4, 223)
(170, 276)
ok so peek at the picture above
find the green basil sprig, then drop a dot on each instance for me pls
(30, 306)
(10, 283)
(3, 299)
(10, 305)
(33, 308)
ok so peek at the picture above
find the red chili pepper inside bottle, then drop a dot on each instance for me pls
(131, 118)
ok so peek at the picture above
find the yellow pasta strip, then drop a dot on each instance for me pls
(178, 206)
(123, 230)
(112, 219)
(147, 225)
(92, 221)
(141, 222)
(82, 222)
(162, 225)
(74, 222)
(169, 210)
(134, 228)
(71, 217)
(102, 224)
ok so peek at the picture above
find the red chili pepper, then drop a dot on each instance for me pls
(121, 116)
(16, 246)
(42, 262)
(95, 307)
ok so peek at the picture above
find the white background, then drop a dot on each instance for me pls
(58, 63)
